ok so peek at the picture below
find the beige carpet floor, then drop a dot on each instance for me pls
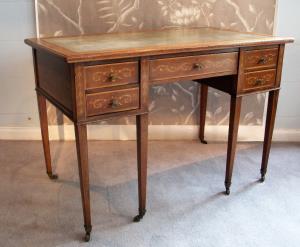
(186, 206)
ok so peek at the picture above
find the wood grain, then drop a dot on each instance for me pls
(270, 121)
(45, 132)
(280, 64)
(108, 75)
(144, 83)
(203, 106)
(206, 66)
(78, 90)
(54, 78)
(235, 111)
(259, 80)
(112, 101)
(83, 168)
(261, 59)
(142, 156)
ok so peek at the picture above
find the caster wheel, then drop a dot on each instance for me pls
(262, 179)
(88, 230)
(52, 176)
(227, 192)
(203, 142)
(139, 217)
(87, 237)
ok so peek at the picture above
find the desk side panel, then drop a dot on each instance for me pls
(54, 80)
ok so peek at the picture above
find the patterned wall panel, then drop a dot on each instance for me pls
(175, 103)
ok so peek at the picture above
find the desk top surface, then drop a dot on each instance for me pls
(121, 45)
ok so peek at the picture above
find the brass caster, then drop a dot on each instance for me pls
(227, 187)
(52, 176)
(203, 141)
(88, 230)
(227, 192)
(87, 237)
(140, 216)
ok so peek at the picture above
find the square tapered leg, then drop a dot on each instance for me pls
(45, 134)
(235, 110)
(142, 153)
(83, 168)
(203, 106)
(270, 121)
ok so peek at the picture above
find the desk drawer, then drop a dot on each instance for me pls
(108, 75)
(259, 80)
(112, 101)
(193, 66)
(261, 58)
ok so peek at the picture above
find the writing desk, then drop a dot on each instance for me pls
(91, 78)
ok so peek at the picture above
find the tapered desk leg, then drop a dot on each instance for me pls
(45, 134)
(235, 110)
(82, 154)
(203, 105)
(270, 121)
(142, 150)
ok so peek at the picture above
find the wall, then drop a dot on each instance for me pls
(288, 19)
(17, 96)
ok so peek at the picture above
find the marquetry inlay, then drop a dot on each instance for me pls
(260, 79)
(111, 74)
(190, 67)
(168, 68)
(119, 74)
(261, 58)
(108, 102)
(112, 101)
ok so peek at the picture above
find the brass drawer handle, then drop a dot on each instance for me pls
(112, 77)
(198, 66)
(114, 103)
(259, 82)
(262, 60)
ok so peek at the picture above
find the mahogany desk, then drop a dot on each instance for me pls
(90, 78)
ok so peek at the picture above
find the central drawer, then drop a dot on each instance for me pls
(193, 67)
(112, 101)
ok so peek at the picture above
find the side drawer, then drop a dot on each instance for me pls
(108, 75)
(260, 80)
(194, 66)
(261, 58)
(112, 101)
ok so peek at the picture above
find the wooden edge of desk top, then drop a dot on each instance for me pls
(152, 50)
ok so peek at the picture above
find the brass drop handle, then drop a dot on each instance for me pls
(198, 66)
(114, 103)
(259, 82)
(112, 77)
(262, 60)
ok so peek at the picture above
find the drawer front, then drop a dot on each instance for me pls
(261, 58)
(113, 101)
(109, 75)
(185, 67)
(259, 80)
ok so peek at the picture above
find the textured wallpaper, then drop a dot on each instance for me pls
(175, 103)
